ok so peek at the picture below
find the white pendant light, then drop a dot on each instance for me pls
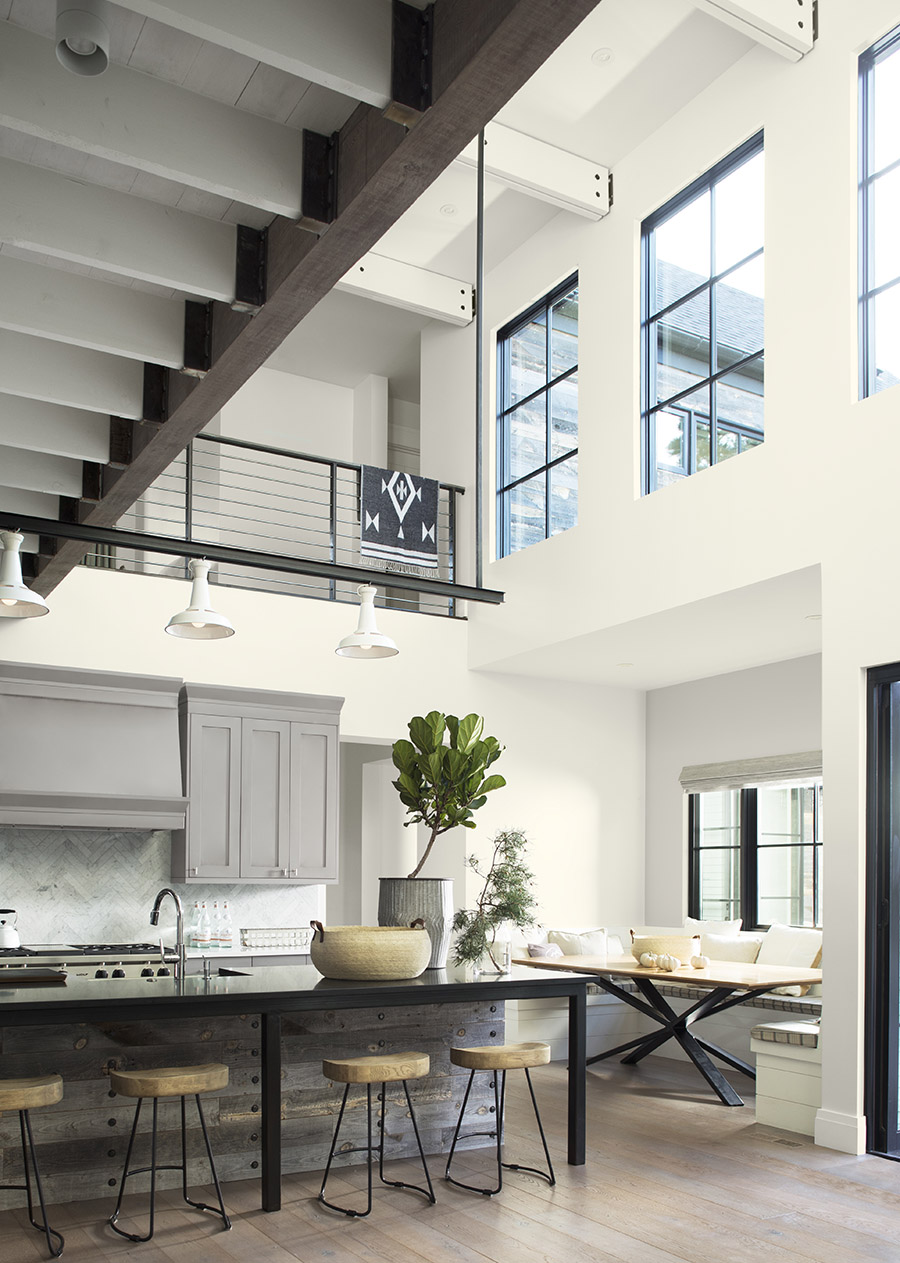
(16, 601)
(82, 36)
(199, 621)
(367, 641)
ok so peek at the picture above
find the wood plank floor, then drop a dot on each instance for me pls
(671, 1176)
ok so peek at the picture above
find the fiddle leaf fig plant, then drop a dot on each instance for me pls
(443, 773)
(506, 896)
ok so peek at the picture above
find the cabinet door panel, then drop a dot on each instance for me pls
(214, 789)
(265, 798)
(314, 797)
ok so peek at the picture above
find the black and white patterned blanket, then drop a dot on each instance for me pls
(398, 520)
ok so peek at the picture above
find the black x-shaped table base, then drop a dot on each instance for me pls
(676, 1026)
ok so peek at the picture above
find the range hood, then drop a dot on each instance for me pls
(89, 749)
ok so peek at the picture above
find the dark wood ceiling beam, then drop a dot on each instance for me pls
(483, 53)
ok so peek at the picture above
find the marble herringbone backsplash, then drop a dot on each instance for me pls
(96, 886)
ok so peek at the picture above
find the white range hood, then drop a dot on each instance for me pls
(89, 749)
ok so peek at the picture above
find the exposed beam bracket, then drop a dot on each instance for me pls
(197, 338)
(91, 481)
(156, 393)
(412, 288)
(788, 27)
(319, 180)
(412, 45)
(250, 269)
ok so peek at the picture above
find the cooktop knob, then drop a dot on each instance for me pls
(118, 973)
(146, 973)
(163, 973)
(101, 973)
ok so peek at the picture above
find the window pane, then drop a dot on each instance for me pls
(726, 444)
(564, 495)
(739, 314)
(564, 334)
(739, 213)
(671, 441)
(886, 318)
(702, 461)
(886, 111)
(720, 817)
(564, 416)
(527, 517)
(785, 884)
(527, 438)
(682, 347)
(739, 396)
(528, 359)
(886, 246)
(720, 885)
(682, 252)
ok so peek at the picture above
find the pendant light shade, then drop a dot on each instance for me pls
(82, 36)
(367, 641)
(199, 621)
(16, 601)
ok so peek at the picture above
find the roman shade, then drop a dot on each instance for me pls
(700, 778)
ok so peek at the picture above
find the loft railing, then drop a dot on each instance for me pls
(245, 495)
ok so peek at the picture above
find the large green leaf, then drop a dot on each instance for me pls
(470, 729)
(438, 725)
(403, 755)
(422, 733)
(492, 782)
(452, 729)
(436, 766)
(455, 764)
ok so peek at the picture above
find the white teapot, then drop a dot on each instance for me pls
(9, 935)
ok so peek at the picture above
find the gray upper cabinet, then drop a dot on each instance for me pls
(261, 777)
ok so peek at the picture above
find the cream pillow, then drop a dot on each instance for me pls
(791, 945)
(587, 943)
(729, 947)
(731, 928)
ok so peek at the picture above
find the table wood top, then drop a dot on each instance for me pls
(719, 973)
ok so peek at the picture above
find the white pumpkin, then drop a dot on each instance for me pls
(667, 963)
(700, 962)
(648, 960)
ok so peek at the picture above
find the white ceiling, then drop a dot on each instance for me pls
(770, 621)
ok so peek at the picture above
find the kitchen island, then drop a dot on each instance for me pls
(271, 1026)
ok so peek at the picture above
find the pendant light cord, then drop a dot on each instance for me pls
(479, 368)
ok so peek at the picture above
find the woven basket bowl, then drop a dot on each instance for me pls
(364, 952)
(680, 945)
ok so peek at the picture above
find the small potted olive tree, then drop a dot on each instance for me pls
(506, 899)
(443, 779)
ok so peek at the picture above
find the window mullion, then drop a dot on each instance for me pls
(749, 859)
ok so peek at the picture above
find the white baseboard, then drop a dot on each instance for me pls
(844, 1132)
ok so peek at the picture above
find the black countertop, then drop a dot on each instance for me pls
(279, 988)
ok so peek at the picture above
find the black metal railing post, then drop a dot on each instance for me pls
(188, 499)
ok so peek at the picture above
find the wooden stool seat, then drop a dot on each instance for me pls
(387, 1068)
(169, 1080)
(29, 1094)
(501, 1057)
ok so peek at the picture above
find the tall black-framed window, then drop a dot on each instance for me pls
(879, 211)
(702, 348)
(756, 853)
(537, 421)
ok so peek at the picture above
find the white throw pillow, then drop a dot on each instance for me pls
(588, 943)
(788, 945)
(546, 950)
(791, 945)
(745, 950)
(730, 928)
(614, 945)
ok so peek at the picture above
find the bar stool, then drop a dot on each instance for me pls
(389, 1068)
(23, 1095)
(500, 1058)
(170, 1081)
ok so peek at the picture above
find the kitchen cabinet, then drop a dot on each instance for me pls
(261, 778)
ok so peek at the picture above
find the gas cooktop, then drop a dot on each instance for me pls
(93, 960)
(62, 950)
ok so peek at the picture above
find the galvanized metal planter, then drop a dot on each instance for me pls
(402, 899)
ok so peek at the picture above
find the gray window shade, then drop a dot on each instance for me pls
(701, 777)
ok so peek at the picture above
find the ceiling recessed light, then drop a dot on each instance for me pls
(602, 56)
(448, 209)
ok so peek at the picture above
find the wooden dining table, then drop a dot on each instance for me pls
(725, 984)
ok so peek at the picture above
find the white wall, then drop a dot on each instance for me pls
(298, 413)
(574, 758)
(775, 709)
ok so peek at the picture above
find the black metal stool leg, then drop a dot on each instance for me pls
(216, 1210)
(44, 1225)
(416, 1188)
(499, 1107)
(494, 1134)
(513, 1166)
(129, 1236)
(344, 1210)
